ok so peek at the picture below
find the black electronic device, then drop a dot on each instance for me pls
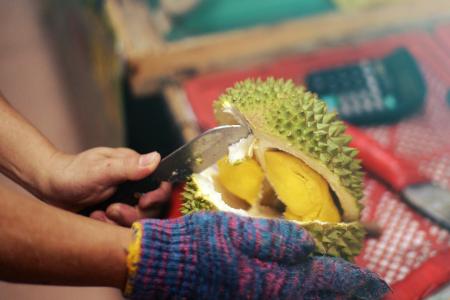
(372, 91)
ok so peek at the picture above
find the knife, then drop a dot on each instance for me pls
(418, 191)
(193, 157)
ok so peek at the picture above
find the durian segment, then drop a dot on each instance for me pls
(304, 192)
(286, 117)
(244, 180)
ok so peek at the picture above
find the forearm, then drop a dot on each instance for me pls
(24, 152)
(43, 244)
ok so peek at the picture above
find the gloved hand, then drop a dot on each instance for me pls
(226, 256)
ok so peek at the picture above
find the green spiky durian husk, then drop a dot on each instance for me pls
(340, 240)
(279, 109)
(193, 200)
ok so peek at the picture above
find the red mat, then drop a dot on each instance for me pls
(412, 254)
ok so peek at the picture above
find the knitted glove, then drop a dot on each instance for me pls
(226, 256)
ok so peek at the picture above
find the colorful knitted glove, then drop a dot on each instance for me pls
(226, 256)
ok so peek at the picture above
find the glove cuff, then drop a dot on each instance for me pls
(161, 260)
(133, 258)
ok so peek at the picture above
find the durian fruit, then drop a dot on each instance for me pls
(296, 165)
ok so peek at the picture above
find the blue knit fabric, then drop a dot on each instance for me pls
(225, 256)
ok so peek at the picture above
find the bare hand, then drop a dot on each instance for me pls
(78, 181)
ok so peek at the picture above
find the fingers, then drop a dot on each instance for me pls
(101, 216)
(126, 215)
(156, 198)
(118, 214)
(271, 239)
(125, 164)
(123, 214)
(150, 206)
(147, 164)
(339, 276)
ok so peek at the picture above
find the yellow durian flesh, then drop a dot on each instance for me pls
(304, 192)
(243, 180)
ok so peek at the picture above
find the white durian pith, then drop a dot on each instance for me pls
(241, 150)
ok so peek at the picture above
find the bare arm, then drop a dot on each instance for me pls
(24, 152)
(44, 244)
(71, 181)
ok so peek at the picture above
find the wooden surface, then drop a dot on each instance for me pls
(152, 60)
(181, 111)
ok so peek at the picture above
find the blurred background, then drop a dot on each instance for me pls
(144, 74)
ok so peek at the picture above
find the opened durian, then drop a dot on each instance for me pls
(296, 165)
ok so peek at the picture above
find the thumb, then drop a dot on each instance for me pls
(146, 165)
(132, 166)
(271, 239)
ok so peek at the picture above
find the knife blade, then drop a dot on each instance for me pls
(427, 198)
(193, 157)
(199, 154)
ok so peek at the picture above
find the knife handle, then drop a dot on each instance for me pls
(382, 162)
(128, 192)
